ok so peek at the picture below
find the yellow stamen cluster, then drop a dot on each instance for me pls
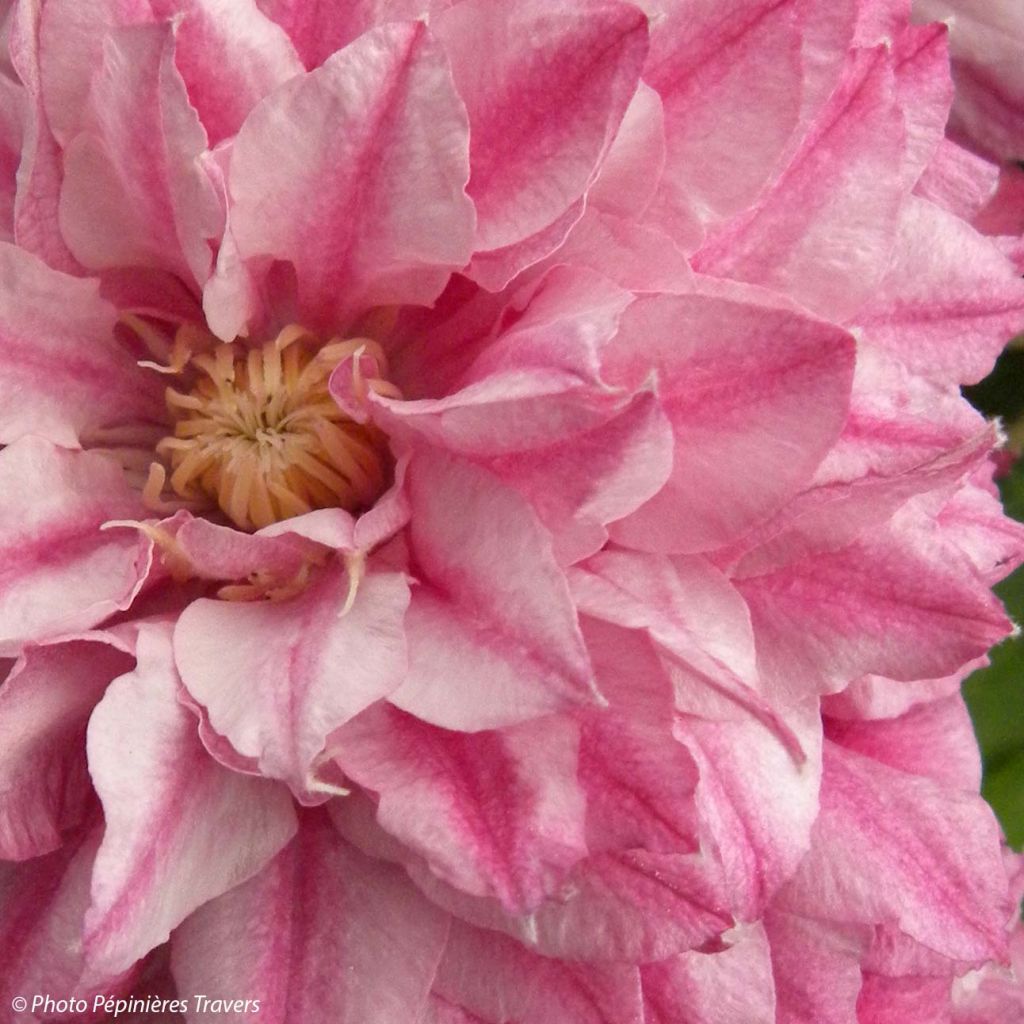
(259, 434)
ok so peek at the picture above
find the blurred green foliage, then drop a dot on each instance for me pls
(995, 695)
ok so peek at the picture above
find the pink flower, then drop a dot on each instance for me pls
(489, 530)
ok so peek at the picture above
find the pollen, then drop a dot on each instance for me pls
(259, 435)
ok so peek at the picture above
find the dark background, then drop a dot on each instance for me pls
(995, 695)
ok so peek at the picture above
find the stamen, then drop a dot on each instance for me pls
(260, 436)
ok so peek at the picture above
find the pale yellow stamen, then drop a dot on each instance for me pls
(260, 436)
(175, 560)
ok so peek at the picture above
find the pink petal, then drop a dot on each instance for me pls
(892, 847)
(821, 239)
(757, 802)
(816, 969)
(733, 986)
(626, 905)
(354, 174)
(180, 829)
(45, 704)
(934, 740)
(495, 269)
(135, 191)
(44, 901)
(691, 611)
(985, 41)
(320, 27)
(580, 485)
(958, 181)
(543, 105)
(925, 92)
(59, 572)
(975, 520)
(532, 383)
(727, 119)
(631, 171)
(493, 813)
(13, 114)
(230, 56)
(321, 935)
(496, 981)
(816, 618)
(756, 395)
(900, 442)
(62, 374)
(218, 552)
(296, 670)
(874, 697)
(41, 171)
(493, 635)
(71, 42)
(950, 301)
(895, 1000)
(338, 529)
(1004, 214)
(701, 632)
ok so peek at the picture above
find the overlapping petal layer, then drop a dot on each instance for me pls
(627, 675)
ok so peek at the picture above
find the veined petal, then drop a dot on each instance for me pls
(45, 705)
(493, 813)
(322, 935)
(135, 191)
(180, 829)
(297, 669)
(62, 374)
(877, 858)
(59, 572)
(493, 634)
(543, 105)
(354, 174)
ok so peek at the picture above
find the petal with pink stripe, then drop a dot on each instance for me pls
(295, 670)
(59, 572)
(180, 829)
(495, 813)
(322, 935)
(45, 705)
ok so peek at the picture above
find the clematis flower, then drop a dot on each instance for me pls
(489, 528)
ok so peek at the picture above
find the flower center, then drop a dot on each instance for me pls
(259, 434)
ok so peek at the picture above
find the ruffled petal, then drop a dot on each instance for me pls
(821, 238)
(60, 572)
(354, 174)
(297, 669)
(727, 122)
(493, 635)
(896, 848)
(319, 28)
(62, 374)
(543, 104)
(136, 192)
(45, 705)
(816, 617)
(180, 829)
(733, 986)
(950, 300)
(493, 813)
(756, 394)
(495, 980)
(230, 56)
(322, 935)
